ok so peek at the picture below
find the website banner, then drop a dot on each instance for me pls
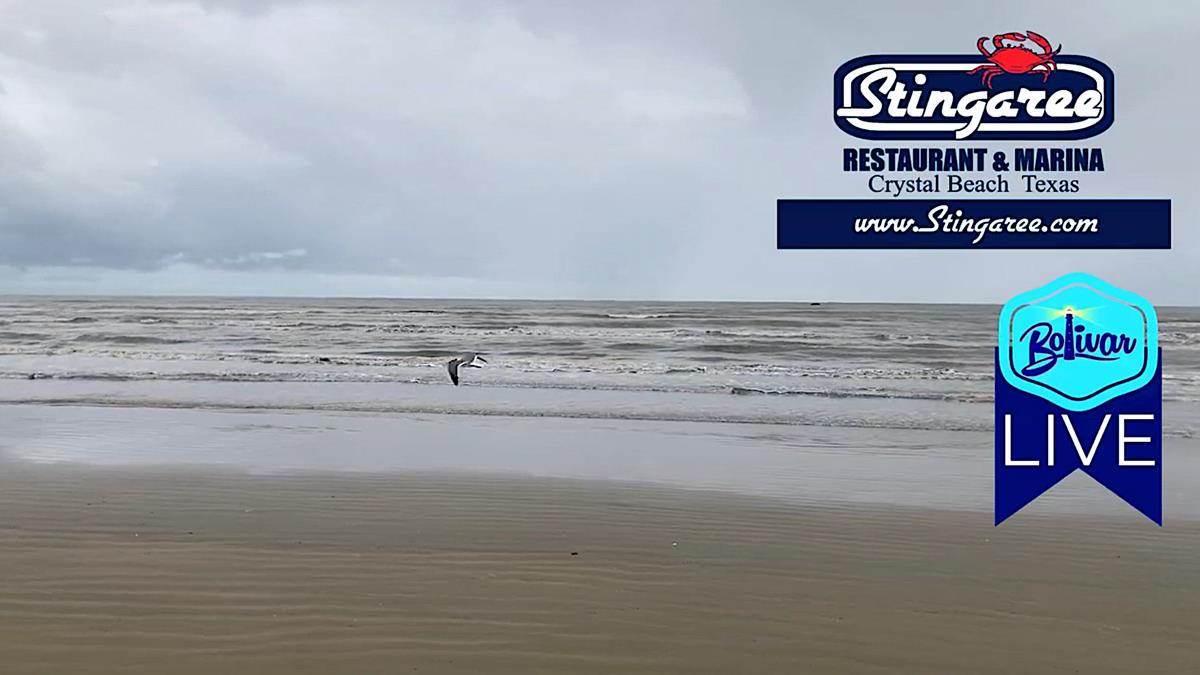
(974, 223)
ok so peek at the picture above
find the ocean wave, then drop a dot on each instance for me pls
(1179, 338)
(791, 418)
(575, 358)
(959, 397)
(582, 378)
(22, 336)
(636, 317)
(111, 338)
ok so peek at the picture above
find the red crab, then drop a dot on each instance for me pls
(1016, 58)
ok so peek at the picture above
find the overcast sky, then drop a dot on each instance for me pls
(519, 149)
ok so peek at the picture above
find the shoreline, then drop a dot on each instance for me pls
(945, 469)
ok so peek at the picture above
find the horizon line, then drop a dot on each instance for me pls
(516, 299)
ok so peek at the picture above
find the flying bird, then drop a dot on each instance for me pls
(466, 361)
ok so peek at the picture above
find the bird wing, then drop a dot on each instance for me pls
(452, 368)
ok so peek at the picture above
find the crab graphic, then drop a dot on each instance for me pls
(1012, 56)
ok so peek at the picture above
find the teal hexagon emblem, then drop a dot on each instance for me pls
(1078, 342)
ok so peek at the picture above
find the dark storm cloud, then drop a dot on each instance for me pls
(536, 148)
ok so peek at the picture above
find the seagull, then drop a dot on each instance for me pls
(466, 361)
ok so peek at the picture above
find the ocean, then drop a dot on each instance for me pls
(886, 404)
(862, 365)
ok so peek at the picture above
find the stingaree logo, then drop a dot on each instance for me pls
(1078, 386)
(1019, 89)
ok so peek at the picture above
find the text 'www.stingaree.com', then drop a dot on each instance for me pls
(941, 219)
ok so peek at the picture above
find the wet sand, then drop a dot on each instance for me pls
(128, 569)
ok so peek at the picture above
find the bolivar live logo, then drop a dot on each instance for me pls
(1017, 87)
(1078, 386)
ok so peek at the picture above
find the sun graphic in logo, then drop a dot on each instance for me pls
(1081, 313)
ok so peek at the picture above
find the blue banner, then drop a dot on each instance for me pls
(973, 223)
(1078, 386)
(1039, 443)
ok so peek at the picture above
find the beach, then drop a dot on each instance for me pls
(277, 559)
(565, 338)
(180, 504)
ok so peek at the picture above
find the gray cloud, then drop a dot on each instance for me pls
(530, 148)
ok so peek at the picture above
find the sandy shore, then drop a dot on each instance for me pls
(138, 570)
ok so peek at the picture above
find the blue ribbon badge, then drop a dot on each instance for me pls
(1078, 386)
